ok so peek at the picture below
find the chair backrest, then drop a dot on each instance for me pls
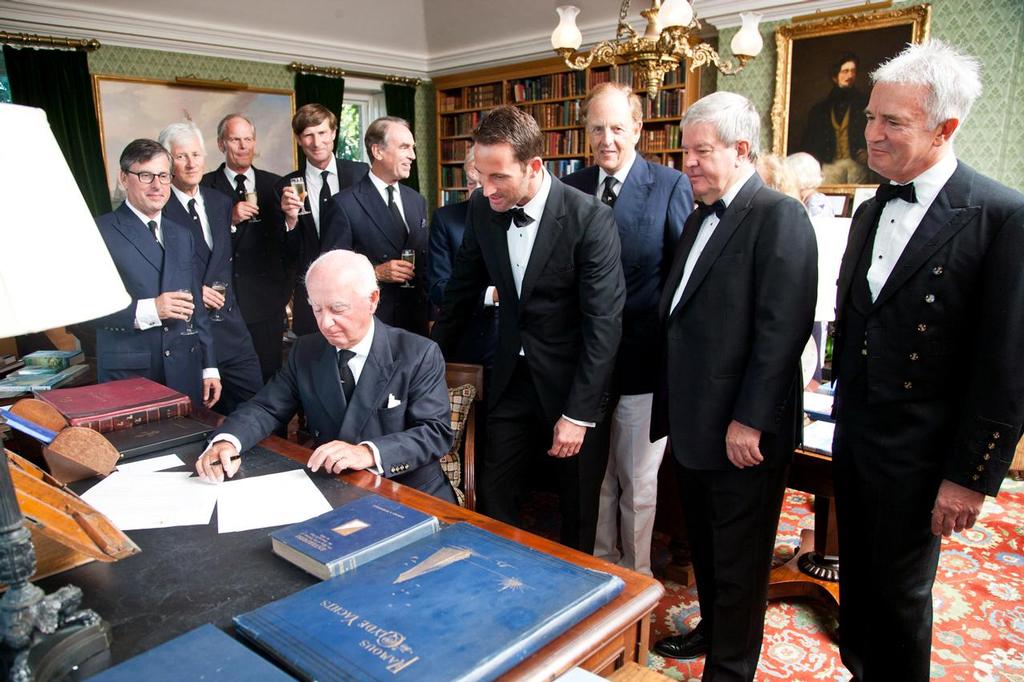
(465, 389)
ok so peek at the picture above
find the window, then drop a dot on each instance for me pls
(350, 131)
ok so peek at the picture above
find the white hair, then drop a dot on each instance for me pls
(351, 268)
(953, 79)
(179, 132)
(733, 117)
(806, 169)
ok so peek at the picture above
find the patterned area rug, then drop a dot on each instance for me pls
(978, 630)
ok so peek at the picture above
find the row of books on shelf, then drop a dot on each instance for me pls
(460, 124)
(571, 84)
(401, 598)
(453, 196)
(471, 96)
(667, 103)
(562, 167)
(454, 150)
(453, 176)
(555, 114)
(666, 137)
(561, 142)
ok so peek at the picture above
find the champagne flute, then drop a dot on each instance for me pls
(409, 256)
(299, 185)
(222, 289)
(189, 329)
(252, 198)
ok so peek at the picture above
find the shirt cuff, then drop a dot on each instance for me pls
(224, 436)
(577, 422)
(145, 314)
(378, 468)
(211, 373)
(489, 297)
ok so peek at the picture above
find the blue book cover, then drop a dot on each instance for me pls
(461, 604)
(205, 653)
(351, 535)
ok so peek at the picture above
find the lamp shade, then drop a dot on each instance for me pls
(54, 267)
(566, 34)
(747, 41)
(675, 13)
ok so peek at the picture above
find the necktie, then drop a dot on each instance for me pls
(152, 228)
(704, 210)
(325, 192)
(395, 213)
(193, 212)
(348, 380)
(240, 187)
(519, 217)
(608, 196)
(888, 192)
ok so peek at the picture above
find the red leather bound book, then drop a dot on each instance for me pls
(117, 405)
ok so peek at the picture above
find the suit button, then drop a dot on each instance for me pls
(166, 329)
(991, 446)
(914, 356)
(995, 435)
(930, 298)
(974, 477)
(937, 270)
(908, 385)
(981, 467)
(922, 327)
(864, 351)
(167, 353)
(986, 456)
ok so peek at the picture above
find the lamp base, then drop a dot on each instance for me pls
(57, 655)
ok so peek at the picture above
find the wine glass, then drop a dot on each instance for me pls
(299, 185)
(222, 289)
(409, 256)
(189, 329)
(253, 198)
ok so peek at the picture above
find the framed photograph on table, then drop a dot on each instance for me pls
(130, 108)
(822, 85)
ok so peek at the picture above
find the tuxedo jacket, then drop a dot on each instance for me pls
(945, 333)
(568, 318)
(359, 220)
(262, 279)
(732, 344)
(400, 404)
(160, 353)
(230, 336)
(652, 206)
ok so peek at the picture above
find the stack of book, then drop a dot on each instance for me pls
(39, 371)
(117, 405)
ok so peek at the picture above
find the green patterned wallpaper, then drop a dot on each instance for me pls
(993, 31)
(112, 60)
(426, 143)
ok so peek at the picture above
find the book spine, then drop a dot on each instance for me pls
(52, 362)
(108, 423)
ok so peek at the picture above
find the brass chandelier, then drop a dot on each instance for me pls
(669, 39)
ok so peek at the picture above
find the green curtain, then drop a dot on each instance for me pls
(400, 100)
(325, 90)
(57, 81)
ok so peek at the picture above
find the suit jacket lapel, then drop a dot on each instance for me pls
(372, 202)
(221, 237)
(860, 230)
(588, 179)
(373, 380)
(634, 192)
(328, 382)
(136, 232)
(548, 233)
(675, 273)
(496, 232)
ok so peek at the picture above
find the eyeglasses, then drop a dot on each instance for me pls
(147, 178)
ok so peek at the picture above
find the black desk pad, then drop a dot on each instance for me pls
(190, 575)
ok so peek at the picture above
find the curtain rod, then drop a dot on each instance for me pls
(341, 73)
(88, 45)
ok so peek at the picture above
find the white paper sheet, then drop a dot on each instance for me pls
(264, 501)
(818, 405)
(818, 436)
(153, 500)
(152, 464)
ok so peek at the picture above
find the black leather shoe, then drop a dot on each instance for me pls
(691, 645)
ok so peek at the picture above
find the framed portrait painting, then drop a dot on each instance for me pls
(130, 108)
(822, 86)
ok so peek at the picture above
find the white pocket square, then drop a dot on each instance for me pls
(393, 401)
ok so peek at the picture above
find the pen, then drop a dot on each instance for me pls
(217, 463)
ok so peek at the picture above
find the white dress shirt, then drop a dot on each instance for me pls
(382, 190)
(249, 175)
(315, 183)
(619, 175)
(899, 220)
(707, 228)
(200, 209)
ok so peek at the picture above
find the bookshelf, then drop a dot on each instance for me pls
(552, 94)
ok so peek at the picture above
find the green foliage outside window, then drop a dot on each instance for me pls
(350, 133)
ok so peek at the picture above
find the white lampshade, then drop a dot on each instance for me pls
(747, 41)
(566, 34)
(55, 269)
(675, 13)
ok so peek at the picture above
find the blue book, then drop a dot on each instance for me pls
(461, 604)
(351, 535)
(205, 653)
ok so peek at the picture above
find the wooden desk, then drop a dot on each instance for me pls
(148, 599)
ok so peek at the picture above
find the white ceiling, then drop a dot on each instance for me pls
(410, 37)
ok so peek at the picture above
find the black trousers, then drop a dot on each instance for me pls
(731, 519)
(240, 379)
(268, 342)
(516, 430)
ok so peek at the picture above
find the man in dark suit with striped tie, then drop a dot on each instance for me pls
(207, 213)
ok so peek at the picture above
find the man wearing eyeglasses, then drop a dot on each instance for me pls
(154, 256)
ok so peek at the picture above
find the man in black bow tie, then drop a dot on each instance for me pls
(927, 354)
(736, 311)
(553, 254)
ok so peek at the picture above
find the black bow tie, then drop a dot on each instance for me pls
(888, 192)
(704, 210)
(519, 217)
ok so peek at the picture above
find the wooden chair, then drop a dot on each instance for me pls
(465, 390)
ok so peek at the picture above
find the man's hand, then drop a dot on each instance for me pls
(220, 459)
(213, 298)
(743, 445)
(211, 392)
(243, 211)
(290, 206)
(395, 271)
(338, 455)
(956, 508)
(174, 305)
(568, 438)
(494, 296)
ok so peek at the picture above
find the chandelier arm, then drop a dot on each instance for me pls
(624, 29)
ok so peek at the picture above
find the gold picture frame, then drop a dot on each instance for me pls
(807, 51)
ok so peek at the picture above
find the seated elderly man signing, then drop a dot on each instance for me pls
(374, 396)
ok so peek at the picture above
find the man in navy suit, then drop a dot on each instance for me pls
(447, 228)
(930, 395)
(650, 203)
(316, 131)
(381, 219)
(207, 213)
(263, 276)
(374, 396)
(156, 260)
